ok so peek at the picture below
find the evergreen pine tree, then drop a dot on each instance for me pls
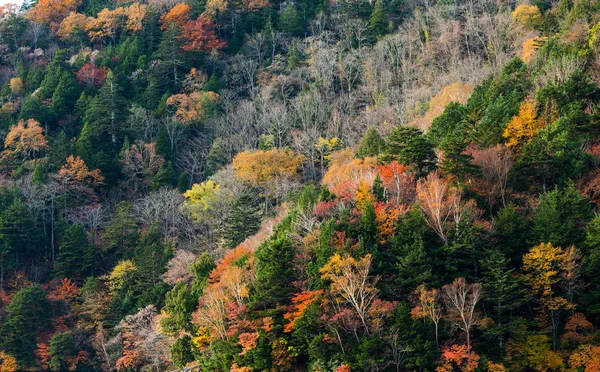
(243, 219)
(71, 260)
(378, 20)
(409, 146)
(371, 144)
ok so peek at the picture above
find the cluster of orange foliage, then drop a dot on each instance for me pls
(386, 216)
(108, 22)
(73, 23)
(200, 35)
(52, 12)
(179, 15)
(458, 357)
(75, 171)
(191, 107)
(346, 173)
(300, 302)
(26, 138)
(398, 181)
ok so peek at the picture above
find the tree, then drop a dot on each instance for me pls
(178, 15)
(261, 167)
(560, 217)
(371, 144)
(351, 285)
(542, 267)
(443, 206)
(243, 219)
(274, 272)
(528, 16)
(106, 111)
(201, 36)
(410, 147)
(121, 233)
(458, 357)
(377, 21)
(460, 300)
(52, 12)
(62, 351)
(179, 305)
(25, 316)
(26, 138)
(194, 106)
(73, 254)
(71, 26)
(91, 76)
(429, 305)
(522, 128)
(75, 172)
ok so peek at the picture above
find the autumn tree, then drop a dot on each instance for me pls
(194, 106)
(200, 36)
(91, 76)
(542, 266)
(526, 15)
(73, 25)
(398, 180)
(443, 206)
(429, 306)
(456, 92)
(523, 127)
(458, 358)
(460, 300)
(269, 169)
(494, 165)
(52, 12)
(75, 171)
(351, 285)
(178, 15)
(26, 139)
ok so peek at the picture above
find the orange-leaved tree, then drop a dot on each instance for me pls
(52, 12)
(201, 36)
(428, 306)
(75, 171)
(179, 15)
(26, 138)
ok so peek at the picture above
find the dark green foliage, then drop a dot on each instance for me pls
(73, 254)
(180, 302)
(201, 269)
(371, 144)
(409, 146)
(21, 241)
(274, 271)
(378, 190)
(560, 218)
(121, 234)
(181, 351)
(151, 256)
(243, 219)
(26, 315)
(378, 21)
(62, 347)
(447, 123)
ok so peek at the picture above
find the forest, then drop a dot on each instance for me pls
(300, 185)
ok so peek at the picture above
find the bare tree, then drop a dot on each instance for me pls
(460, 300)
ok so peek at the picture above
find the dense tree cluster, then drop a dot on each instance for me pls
(300, 185)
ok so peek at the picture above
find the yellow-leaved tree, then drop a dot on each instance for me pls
(528, 16)
(201, 196)
(523, 127)
(263, 168)
(549, 269)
